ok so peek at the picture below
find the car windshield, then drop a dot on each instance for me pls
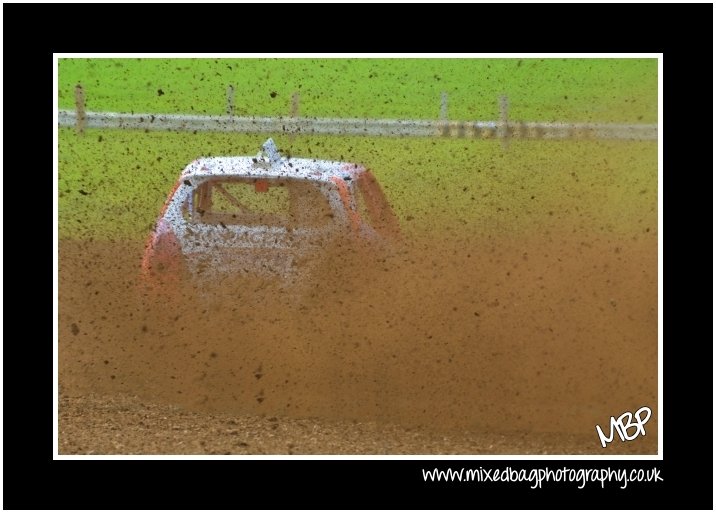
(255, 202)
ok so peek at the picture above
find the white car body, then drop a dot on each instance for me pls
(267, 215)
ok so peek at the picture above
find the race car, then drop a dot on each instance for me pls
(269, 216)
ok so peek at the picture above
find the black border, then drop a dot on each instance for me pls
(32, 480)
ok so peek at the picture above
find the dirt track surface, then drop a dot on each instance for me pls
(112, 425)
(446, 347)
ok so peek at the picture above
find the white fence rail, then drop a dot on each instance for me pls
(369, 127)
(504, 129)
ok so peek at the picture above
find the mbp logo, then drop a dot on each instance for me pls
(624, 423)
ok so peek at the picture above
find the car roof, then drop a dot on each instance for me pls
(301, 168)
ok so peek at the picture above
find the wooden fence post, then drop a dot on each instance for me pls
(504, 122)
(295, 110)
(81, 116)
(445, 130)
(230, 100)
(295, 104)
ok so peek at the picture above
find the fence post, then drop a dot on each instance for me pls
(230, 100)
(445, 124)
(504, 131)
(81, 116)
(295, 109)
(295, 104)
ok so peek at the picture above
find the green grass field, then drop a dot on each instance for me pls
(112, 183)
(599, 90)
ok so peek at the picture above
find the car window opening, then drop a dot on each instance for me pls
(261, 202)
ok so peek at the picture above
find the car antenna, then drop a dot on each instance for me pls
(270, 151)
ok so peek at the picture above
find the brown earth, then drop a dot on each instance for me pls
(447, 346)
